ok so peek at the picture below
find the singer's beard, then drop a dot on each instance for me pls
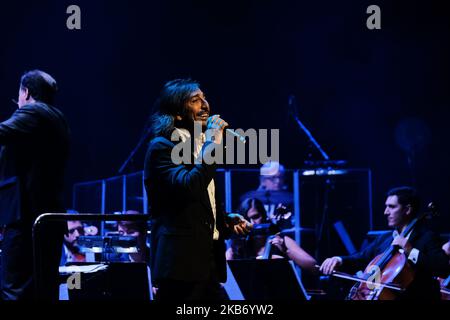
(189, 125)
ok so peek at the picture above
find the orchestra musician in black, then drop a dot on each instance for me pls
(421, 247)
(34, 149)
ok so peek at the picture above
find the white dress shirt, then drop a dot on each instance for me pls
(413, 255)
(198, 144)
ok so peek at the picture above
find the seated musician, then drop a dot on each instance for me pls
(136, 229)
(71, 250)
(273, 193)
(421, 247)
(255, 244)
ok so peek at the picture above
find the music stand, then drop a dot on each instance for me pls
(111, 281)
(272, 279)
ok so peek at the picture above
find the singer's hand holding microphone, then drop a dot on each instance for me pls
(215, 127)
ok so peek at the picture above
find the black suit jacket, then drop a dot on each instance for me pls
(182, 246)
(432, 262)
(34, 149)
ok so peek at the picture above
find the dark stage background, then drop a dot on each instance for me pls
(366, 95)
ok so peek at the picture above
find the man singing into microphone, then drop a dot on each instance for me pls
(188, 224)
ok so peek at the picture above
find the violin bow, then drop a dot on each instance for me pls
(347, 276)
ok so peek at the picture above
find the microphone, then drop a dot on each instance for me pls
(232, 132)
(237, 135)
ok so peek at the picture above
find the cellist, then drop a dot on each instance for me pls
(421, 246)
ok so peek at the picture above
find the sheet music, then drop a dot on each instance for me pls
(83, 269)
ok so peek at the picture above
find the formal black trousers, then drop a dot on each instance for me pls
(17, 263)
(206, 290)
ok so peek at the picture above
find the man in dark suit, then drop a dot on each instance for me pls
(34, 148)
(188, 224)
(421, 247)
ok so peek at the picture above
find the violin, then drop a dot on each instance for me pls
(391, 267)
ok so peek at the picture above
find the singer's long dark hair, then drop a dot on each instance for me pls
(171, 102)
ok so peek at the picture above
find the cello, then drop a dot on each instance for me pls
(390, 267)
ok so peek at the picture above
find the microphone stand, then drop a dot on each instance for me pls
(328, 183)
(135, 150)
(305, 129)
